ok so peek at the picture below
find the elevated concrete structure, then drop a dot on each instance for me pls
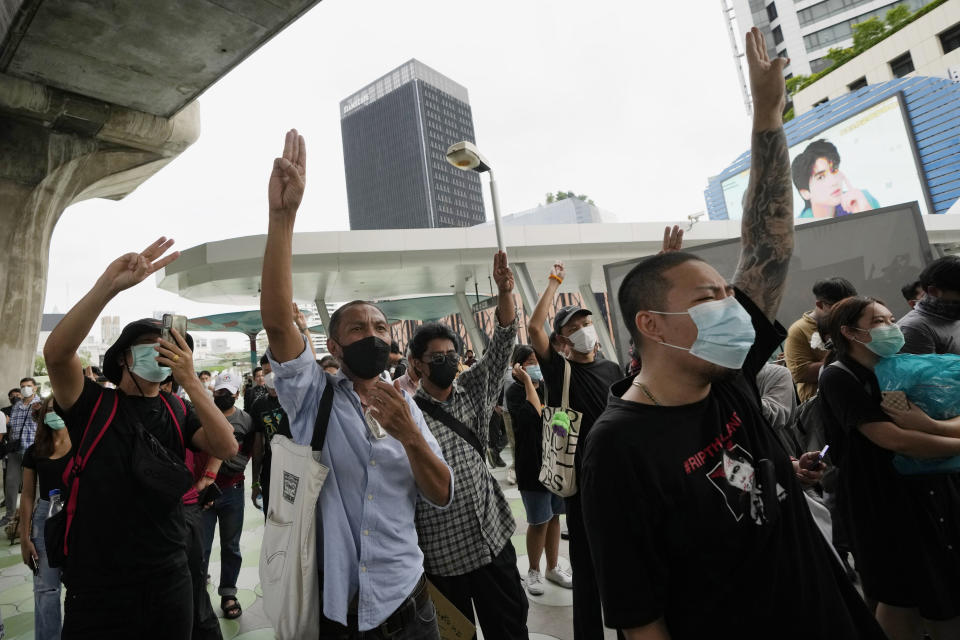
(94, 99)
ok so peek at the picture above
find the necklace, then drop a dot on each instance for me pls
(643, 388)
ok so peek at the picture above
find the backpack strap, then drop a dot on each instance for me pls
(323, 417)
(176, 421)
(438, 413)
(105, 411)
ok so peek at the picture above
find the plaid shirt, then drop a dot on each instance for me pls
(476, 526)
(21, 423)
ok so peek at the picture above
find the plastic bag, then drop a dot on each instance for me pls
(932, 382)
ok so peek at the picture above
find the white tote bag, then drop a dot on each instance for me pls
(560, 435)
(288, 556)
(289, 574)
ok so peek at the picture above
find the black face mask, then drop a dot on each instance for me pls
(224, 402)
(366, 358)
(443, 373)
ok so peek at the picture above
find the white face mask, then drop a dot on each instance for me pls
(26, 392)
(269, 381)
(584, 339)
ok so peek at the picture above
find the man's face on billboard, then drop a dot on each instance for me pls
(826, 184)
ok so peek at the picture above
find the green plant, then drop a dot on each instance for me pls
(897, 16)
(868, 33)
(39, 366)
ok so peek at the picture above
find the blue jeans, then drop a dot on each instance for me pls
(228, 510)
(46, 584)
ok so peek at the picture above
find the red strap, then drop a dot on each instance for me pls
(175, 421)
(73, 480)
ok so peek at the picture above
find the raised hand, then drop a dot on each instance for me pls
(502, 274)
(558, 270)
(389, 407)
(520, 373)
(133, 268)
(299, 319)
(766, 77)
(289, 176)
(672, 239)
(178, 357)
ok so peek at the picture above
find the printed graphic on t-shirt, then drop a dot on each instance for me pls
(290, 483)
(271, 422)
(735, 477)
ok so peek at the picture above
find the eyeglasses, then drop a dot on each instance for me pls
(439, 357)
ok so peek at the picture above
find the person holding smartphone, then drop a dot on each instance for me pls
(43, 461)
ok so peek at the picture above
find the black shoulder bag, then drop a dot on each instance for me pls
(437, 412)
(160, 472)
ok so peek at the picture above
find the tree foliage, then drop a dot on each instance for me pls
(563, 195)
(897, 16)
(39, 366)
(867, 33)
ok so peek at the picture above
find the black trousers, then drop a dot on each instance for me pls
(158, 608)
(496, 592)
(206, 626)
(587, 613)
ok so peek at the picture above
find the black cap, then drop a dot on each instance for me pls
(566, 314)
(112, 370)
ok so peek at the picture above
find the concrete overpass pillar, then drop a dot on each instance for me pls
(324, 314)
(603, 331)
(527, 290)
(470, 321)
(60, 148)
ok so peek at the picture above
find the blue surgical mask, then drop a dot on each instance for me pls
(725, 332)
(885, 341)
(145, 364)
(534, 372)
(53, 421)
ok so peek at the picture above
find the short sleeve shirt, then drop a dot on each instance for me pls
(528, 438)
(49, 471)
(694, 515)
(589, 388)
(119, 537)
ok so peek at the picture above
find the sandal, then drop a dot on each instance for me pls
(233, 611)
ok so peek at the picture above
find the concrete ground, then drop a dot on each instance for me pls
(550, 614)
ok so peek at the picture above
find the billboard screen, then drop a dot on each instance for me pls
(861, 164)
(878, 252)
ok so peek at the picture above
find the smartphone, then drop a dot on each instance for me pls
(171, 321)
(819, 460)
(211, 493)
(34, 566)
(896, 399)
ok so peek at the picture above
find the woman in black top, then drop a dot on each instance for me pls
(905, 529)
(44, 460)
(524, 401)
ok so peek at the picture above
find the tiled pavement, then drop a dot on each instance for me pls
(550, 614)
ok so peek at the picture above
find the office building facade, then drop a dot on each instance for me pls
(802, 30)
(396, 131)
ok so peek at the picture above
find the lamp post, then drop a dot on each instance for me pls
(465, 155)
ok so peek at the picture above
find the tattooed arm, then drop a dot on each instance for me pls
(767, 227)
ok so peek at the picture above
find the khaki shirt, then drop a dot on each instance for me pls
(798, 353)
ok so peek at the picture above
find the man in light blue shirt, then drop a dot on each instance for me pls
(379, 450)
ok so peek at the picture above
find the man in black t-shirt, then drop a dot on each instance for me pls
(269, 419)
(697, 520)
(126, 560)
(590, 380)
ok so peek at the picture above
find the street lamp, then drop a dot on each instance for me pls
(465, 155)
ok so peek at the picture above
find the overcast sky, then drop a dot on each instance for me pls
(634, 104)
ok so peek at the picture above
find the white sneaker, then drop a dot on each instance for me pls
(511, 475)
(560, 577)
(534, 583)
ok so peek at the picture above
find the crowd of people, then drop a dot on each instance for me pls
(698, 491)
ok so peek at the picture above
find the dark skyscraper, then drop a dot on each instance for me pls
(395, 133)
